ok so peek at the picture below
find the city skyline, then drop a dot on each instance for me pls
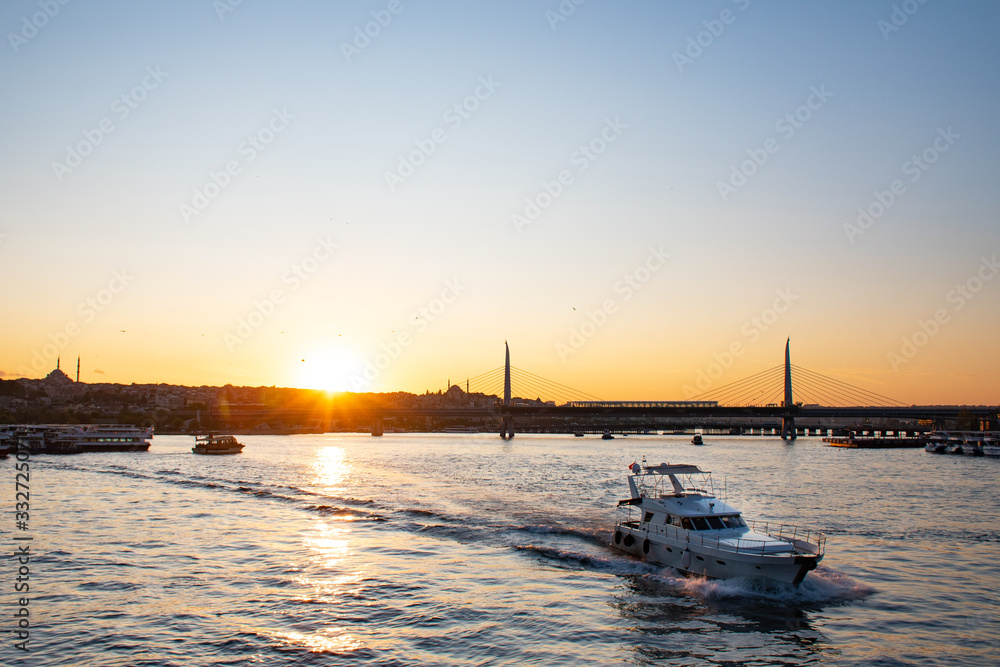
(645, 200)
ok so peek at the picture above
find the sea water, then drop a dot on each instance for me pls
(432, 549)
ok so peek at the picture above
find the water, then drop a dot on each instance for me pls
(466, 550)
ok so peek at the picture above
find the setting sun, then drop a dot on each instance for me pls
(328, 369)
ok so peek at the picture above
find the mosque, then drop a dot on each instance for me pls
(59, 378)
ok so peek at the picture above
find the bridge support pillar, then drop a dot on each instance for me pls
(788, 428)
(507, 427)
(377, 426)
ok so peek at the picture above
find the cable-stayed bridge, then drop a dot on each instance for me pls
(784, 393)
(786, 400)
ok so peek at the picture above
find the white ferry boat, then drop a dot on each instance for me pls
(674, 519)
(86, 438)
(213, 444)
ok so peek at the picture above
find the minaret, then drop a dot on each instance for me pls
(57, 363)
(78, 368)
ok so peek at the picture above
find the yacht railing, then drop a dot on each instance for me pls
(801, 539)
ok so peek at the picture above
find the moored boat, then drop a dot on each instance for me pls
(991, 447)
(696, 440)
(607, 435)
(673, 518)
(937, 443)
(213, 444)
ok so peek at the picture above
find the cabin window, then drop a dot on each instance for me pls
(686, 524)
(733, 521)
(648, 517)
(700, 523)
(715, 522)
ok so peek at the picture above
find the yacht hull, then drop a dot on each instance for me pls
(714, 563)
(215, 452)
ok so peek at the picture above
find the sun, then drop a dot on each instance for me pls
(328, 369)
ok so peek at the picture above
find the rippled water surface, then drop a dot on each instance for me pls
(467, 550)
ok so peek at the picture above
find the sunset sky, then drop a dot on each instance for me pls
(277, 193)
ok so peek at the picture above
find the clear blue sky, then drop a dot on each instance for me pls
(338, 123)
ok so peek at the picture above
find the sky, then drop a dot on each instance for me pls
(644, 199)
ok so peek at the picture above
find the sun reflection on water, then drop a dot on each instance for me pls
(331, 468)
(327, 640)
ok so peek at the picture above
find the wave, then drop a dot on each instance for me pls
(599, 562)
(542, 529)
(332, 510)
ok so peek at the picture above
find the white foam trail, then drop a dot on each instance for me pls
(824, 585)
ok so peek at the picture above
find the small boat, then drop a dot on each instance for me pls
(972, 445)
(216, 444)
(937, 443)
(6, 437)
(460, 429)
(673, 518)
(577, 434)
(607, 435)
(991, 447)
(696, 440)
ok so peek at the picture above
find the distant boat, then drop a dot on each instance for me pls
(607, 435)
(577, 434)
(216, 444)
(991, 447)
(460, 429)
(696, 440)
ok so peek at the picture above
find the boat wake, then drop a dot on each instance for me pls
(588, 561)
(824, 586)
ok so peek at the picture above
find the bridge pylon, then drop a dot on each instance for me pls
(506, 419)
(788, 419)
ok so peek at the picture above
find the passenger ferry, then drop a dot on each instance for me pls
(80, 438)
(673, 518)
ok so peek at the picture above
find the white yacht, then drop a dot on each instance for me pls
(673, 518)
